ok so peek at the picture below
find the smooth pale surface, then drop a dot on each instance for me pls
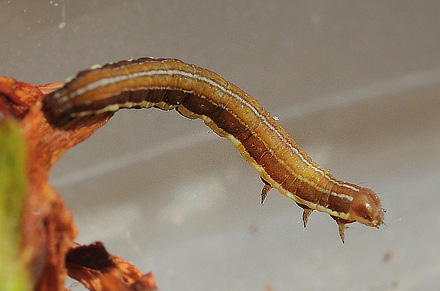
(356, 84)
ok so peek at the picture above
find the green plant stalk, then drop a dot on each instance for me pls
(13, 185)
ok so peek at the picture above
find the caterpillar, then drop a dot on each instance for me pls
(231, 113)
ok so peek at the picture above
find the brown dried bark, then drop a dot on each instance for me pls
(98, 270)
(48, 229)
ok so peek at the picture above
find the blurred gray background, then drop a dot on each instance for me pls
(355, 83)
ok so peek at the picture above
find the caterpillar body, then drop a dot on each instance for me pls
(199, 93)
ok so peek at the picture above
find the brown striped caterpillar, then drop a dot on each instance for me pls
(198, 93)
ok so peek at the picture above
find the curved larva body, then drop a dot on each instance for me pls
(231, 113)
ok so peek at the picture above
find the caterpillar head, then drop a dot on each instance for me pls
(366, 208)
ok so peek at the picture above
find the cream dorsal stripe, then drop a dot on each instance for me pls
(117, 79)
(231, 113)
